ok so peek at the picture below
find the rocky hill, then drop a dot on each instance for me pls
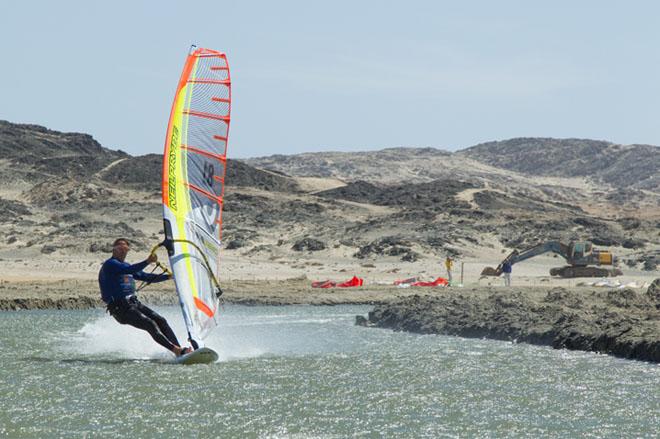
(38, 153)
(621, 166)
(388, 166)
(65, 193)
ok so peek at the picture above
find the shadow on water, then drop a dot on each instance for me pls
(95, 360)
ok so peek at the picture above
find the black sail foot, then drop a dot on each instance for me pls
(193, 343)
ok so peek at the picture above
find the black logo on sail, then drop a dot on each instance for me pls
(171, 182)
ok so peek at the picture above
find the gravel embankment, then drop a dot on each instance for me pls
(624, 323)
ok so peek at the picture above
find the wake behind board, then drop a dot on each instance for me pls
(200, 356)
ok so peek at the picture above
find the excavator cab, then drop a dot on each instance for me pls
(580, 250)
(583, 254)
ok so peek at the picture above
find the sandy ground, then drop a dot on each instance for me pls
(55, 281)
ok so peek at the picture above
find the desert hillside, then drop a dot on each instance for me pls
(390, 213)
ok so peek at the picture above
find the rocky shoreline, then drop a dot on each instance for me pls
(620, 322)
(623, 323)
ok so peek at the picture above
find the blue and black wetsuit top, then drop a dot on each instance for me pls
(117, 278)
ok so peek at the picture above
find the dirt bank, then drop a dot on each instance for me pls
(621, 322)
(82, 294)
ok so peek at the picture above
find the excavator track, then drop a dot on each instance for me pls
(578, 271)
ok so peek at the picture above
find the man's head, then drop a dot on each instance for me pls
(120, 248)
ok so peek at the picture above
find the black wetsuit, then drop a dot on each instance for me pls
(117, 283)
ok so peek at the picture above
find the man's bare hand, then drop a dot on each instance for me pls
(152, 258)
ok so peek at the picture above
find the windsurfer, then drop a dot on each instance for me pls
(117, 283)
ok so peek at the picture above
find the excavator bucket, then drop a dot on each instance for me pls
(489, 271)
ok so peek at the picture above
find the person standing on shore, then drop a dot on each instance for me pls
(506, 269)
(117, 284)
(449, 264)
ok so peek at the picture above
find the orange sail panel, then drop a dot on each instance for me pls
(194, 167)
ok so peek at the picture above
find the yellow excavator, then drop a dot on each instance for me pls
(580, 255)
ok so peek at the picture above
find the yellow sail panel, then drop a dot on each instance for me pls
(193, 184)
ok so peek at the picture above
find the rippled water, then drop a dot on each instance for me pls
(303, 371)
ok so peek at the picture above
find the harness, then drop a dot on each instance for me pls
(120, 304)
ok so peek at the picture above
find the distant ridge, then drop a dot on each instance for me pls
(619, 165)
(44, 154)
(386, 165)
(622, 166)
(22, 141)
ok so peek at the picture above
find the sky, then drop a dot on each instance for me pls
(353, 75)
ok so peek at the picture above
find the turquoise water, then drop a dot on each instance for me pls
(302, 371)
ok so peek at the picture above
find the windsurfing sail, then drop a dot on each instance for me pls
(193, 186)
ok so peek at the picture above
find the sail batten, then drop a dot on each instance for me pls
(193, 185)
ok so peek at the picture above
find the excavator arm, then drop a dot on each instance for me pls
(550, 246)
(519, 256)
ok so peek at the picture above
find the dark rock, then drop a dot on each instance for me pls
(265, 248)
(624, 298)
(630, 262)
(604, 241)
(632, 243)
(396, 251)
(653, 290)
(650, 263)
(438, 194)
(490, 200)
(309, 244)
(349, 242)
(361, 321)
(630, 223)
(142, 172)
(69, 217)
(12, 210)
(48, 249)
(410, 256)
(235, 243)
(243, 175)
(389, 245)
(100, 247)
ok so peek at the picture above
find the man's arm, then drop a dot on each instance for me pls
(114, 266)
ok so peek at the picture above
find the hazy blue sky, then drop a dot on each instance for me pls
(340, 75)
